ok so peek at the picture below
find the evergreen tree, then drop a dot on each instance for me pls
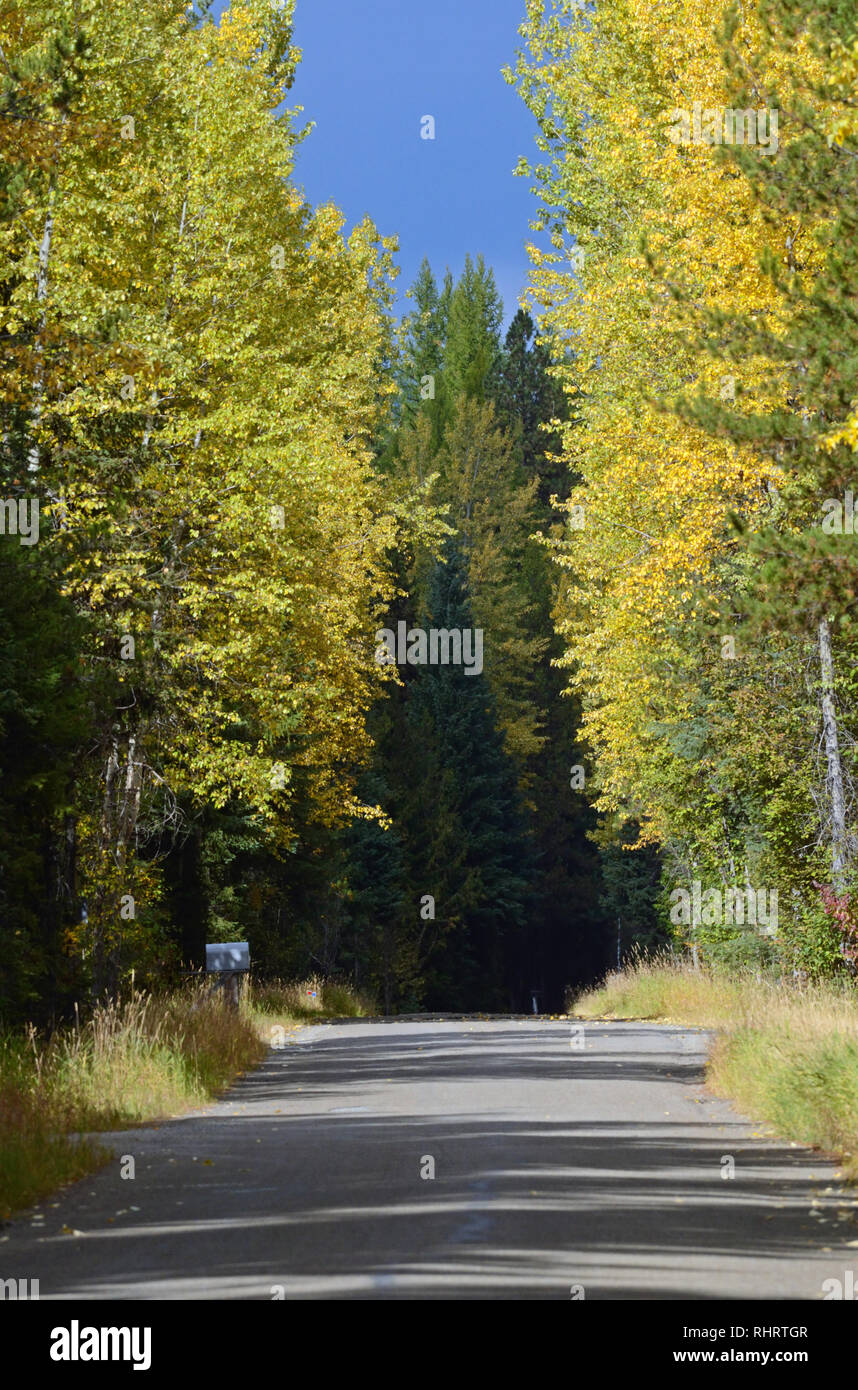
(494, 511)
(423, 334)
(471, 352)
(461, 818)
(528, 397)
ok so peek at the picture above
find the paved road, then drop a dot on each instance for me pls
(588, 1161)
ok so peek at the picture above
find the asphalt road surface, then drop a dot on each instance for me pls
(569, 1160)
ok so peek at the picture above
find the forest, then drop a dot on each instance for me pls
(454, 660)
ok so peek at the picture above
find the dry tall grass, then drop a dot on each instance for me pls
(304, 1001)
(136, 1059)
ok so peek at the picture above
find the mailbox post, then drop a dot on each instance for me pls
(227, 961)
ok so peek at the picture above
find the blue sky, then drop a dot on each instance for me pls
(370, 70)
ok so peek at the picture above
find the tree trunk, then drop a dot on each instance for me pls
(119, 814)
(33, 454)
(834, 777)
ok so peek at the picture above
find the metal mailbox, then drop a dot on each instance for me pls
(227, 955)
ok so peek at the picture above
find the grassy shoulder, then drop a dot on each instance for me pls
(786, 1055)
(138, 1060)
(290, 1003)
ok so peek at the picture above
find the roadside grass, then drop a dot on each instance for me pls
(37, 1155)
(138, 1059)
(786, 1055)
(293, 1002)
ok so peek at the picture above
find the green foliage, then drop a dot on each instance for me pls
(243, 472)
(44, 719)
(708, 615)
(811, 943)
(194, 375)
(473, 333)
